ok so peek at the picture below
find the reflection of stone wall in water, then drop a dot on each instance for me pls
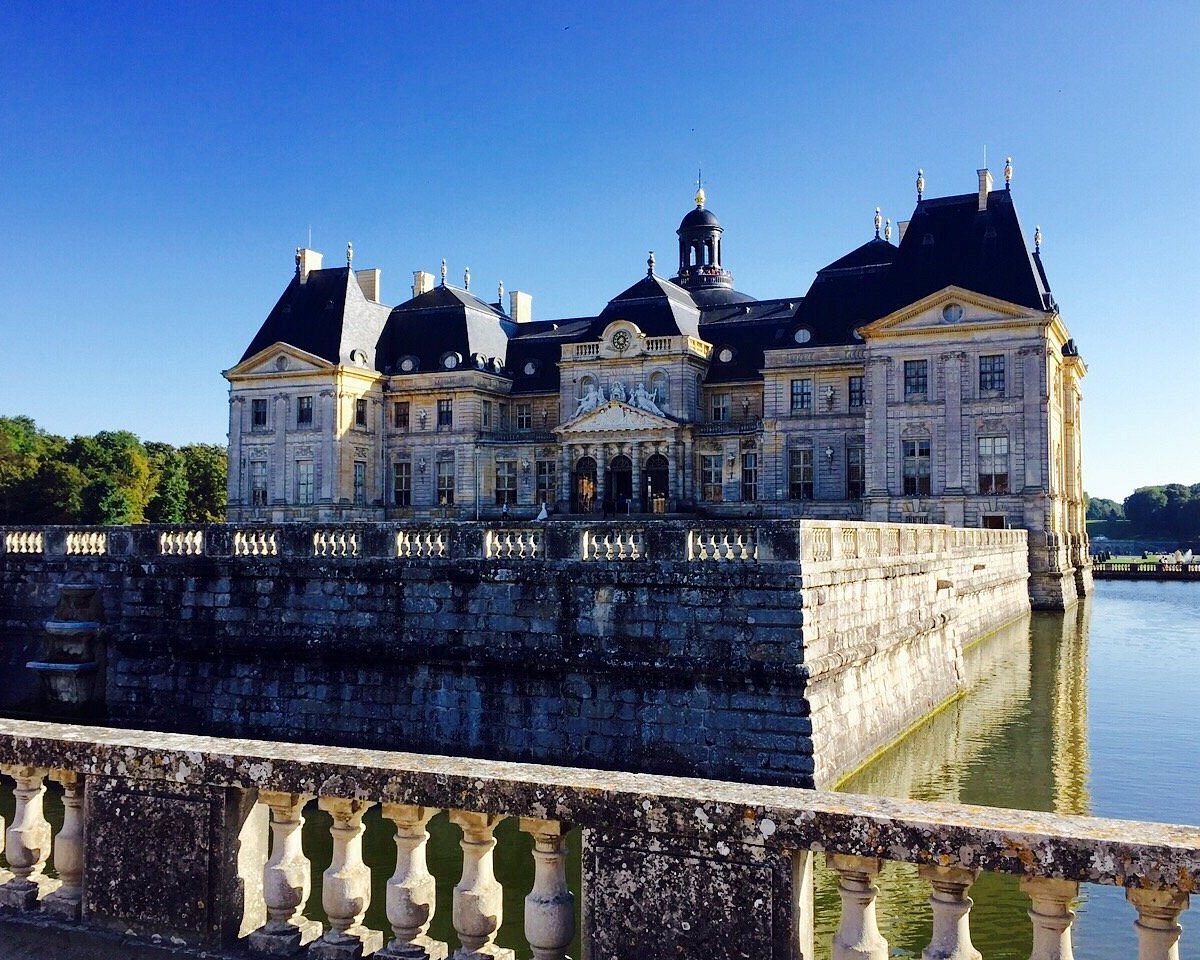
(1018, 738)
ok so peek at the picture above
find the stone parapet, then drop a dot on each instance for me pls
(694, 867)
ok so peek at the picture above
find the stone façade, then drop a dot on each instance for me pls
(788, 669)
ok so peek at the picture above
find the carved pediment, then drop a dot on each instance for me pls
(615, 417)
(279, 359)
(951, 308)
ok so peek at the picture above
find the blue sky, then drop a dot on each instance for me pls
(161, 162)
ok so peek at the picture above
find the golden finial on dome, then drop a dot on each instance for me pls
(699, 190)
(887, 230)
(920, 184)
(878, 222)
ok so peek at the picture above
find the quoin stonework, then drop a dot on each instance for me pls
(925, 376)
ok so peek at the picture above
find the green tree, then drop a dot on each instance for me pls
(206, 467)
(168, 503)
(1101, 509)
(120, 482)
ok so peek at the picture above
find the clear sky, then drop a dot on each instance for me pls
(160, 162)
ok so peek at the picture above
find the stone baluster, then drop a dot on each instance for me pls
(1051, 915)
(1157, 925)
(858, 936)
(285, 879)
(951, 938)
(68, 850)
(27, 840)
(346, 889)
(550, 906)
(411, 889)
(478, 897)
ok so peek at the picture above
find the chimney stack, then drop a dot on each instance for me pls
(368, 282)
(306, 262)
(985, 187)
(422, 282)
(520, 306)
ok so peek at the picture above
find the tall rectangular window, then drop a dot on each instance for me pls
(991, 374)
(915, 464)
(524, 416)
(360, 482)
(402, 483)
(800, 473)
(304, 411)
(258, 414)
(749, 476)
(710, 477)
(445, 413)
(485, 415)
(855, 472)
(401, 411)
(360, 412)
(916, 379)
(506, 482)
(855, 392)
(546, 488)
(993, 464)
(258, 482)
(720, 407)
(801, 395)
(445, 483)
(304, 482)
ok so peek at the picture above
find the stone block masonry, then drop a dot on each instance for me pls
(778, 652)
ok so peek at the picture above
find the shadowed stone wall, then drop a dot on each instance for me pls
(669, 661)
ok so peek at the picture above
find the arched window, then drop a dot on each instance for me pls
(659, 389)
(585, 383)
(583, 490)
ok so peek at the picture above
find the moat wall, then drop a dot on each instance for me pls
(819, 643)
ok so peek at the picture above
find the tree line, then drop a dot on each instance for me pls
(1170, 510)
(110, 478)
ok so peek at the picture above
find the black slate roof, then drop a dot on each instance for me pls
(950, 241)
(445, 320)
(327, 315)
(659, 307)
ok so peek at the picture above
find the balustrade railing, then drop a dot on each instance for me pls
(657, 820)
(815, 541)
(514, 544)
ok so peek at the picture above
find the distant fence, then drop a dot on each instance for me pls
(1142, 570)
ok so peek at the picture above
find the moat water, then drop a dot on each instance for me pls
(1088, 712)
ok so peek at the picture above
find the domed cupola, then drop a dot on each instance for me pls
(700, 250)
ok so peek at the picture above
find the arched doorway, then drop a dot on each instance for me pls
(583, 491)
(656, 483)
(620, 481)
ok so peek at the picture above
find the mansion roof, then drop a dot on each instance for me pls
(948, 242)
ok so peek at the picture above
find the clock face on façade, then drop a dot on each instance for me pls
(620, 341)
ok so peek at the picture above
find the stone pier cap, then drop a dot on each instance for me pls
(703, 814)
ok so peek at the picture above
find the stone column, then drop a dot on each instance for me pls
(27, 841)
(601, 473)
(687, 472)
(550, 906)
(858, 936)
(411, 889)
(346, 893)
(1051, 915)
(952, 364)
(233, 489)
(638, 492)
(68, 850)
(951, 938)
(279, 453)
(328, 446)
(566, 475)
(875, 414)
(1157, 925)
(478, 897)
(285, 879)
(1035, 403)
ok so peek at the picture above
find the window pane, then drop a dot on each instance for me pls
(445, 413)
(304, 411)
(304, 482)
(360, 482)
(445, 482)
(402, 483)
(801, 395)
(506, 482)
(856, 391)
(400, 412)
(710, 477)
(916, 378)
(800, 473)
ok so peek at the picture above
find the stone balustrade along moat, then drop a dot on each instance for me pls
(769, 651)
(166, 835)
